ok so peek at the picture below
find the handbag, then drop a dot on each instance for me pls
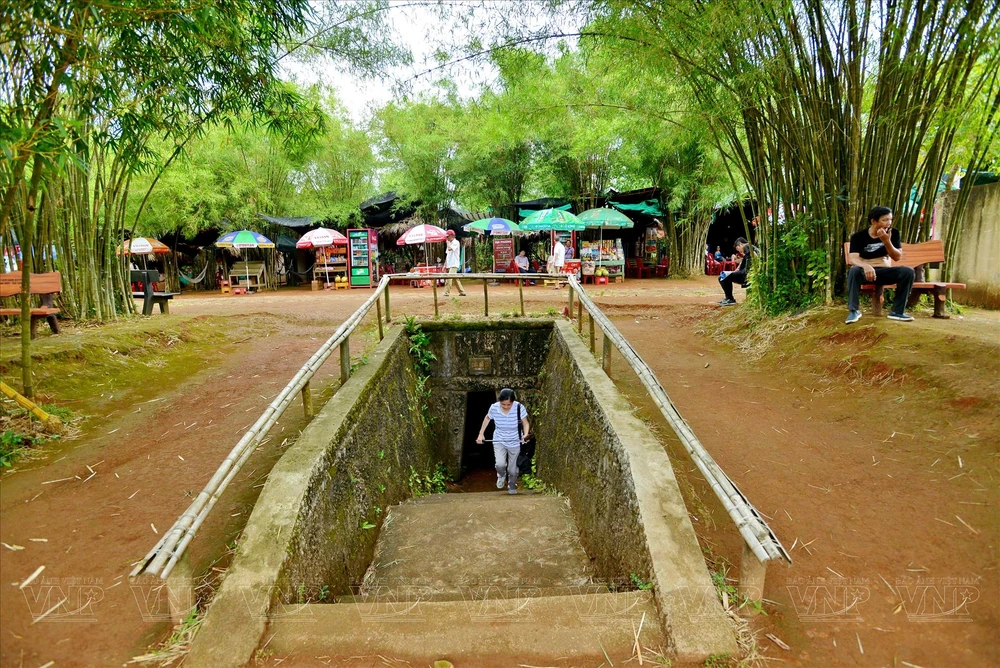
(527, 452)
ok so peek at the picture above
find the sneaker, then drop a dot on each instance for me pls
(501, 481)
(462, 294)
(512, 490)
(853, 317)
(902, 317)
(727, 302)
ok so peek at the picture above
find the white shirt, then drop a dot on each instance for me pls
(522, 262)
(452, 258)
(505, 424)
(558, 255)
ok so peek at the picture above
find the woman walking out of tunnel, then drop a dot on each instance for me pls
(511, 429)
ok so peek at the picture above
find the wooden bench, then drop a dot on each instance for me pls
(148, 295)
(914, 255)
(45, 285)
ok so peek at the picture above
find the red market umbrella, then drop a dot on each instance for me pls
(423, 234)
(321, 237)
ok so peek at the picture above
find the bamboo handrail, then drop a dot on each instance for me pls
(166, 553)
(757, 535)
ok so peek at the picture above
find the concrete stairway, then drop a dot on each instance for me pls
(482, 579)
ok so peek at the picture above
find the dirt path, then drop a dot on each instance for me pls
(151, 453)
(819, 458)
(875, 481)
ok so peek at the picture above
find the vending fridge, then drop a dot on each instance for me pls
(360, 254)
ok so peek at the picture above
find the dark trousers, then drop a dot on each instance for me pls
(730, 278)
(901, 276)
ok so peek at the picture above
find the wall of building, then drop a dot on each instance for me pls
(977, 259)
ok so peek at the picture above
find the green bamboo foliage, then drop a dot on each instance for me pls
(825, 108)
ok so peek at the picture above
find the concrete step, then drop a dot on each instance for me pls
(456, 497)
(579, 630)
(473, 591)
(443, 547)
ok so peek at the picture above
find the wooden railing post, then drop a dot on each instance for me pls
(434, 287)
(307, 400)
(486, 297)
(593, 345)
(345, 360)
(606, 355)
(579, 316)
(378, 317)
(388, 312)
(520, 293)
(569, 313)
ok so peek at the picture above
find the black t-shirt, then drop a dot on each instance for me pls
(868, 248)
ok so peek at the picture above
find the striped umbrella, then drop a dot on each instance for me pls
(244, 239)
(144, 246)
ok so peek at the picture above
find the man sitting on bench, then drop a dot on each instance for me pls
(727, 278)
(881, 243)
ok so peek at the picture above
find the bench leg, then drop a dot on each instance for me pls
(33, 327)
(164, 307)
(877, 297)
(940, 296)
(53, 323)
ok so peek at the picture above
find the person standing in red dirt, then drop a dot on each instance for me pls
(879, 242)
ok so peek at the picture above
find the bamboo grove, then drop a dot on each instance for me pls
(826, 108)
(156, 117)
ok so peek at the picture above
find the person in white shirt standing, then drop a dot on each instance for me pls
(558, 256)
(452, 262)
(511, 430)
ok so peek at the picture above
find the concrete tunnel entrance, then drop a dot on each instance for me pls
(476, 457)
(340, 537)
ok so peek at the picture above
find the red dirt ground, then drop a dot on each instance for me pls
(864, 479)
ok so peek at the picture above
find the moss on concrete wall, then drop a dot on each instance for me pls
(365, 468)
(580, 455)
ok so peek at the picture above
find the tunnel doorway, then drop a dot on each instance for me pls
(477, 460)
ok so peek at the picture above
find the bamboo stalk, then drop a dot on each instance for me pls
(434, 287)
(307, 402)
(486, 297)
(520, 294)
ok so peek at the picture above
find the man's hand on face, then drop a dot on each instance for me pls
(869, 273)
(883, 234)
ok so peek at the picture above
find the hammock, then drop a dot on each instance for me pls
(303, 274)
(187, 280)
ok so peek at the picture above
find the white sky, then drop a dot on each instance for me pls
(423, 31)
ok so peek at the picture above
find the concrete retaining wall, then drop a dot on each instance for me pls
(307, 528)
(624, 495)
(977, 261)
(475, 356)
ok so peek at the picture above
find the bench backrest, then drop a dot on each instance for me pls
(247, 269)
(49, 283)
(914, 255)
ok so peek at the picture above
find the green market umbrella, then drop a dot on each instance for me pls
(603, 217)
(552, 219)
(498, 226)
